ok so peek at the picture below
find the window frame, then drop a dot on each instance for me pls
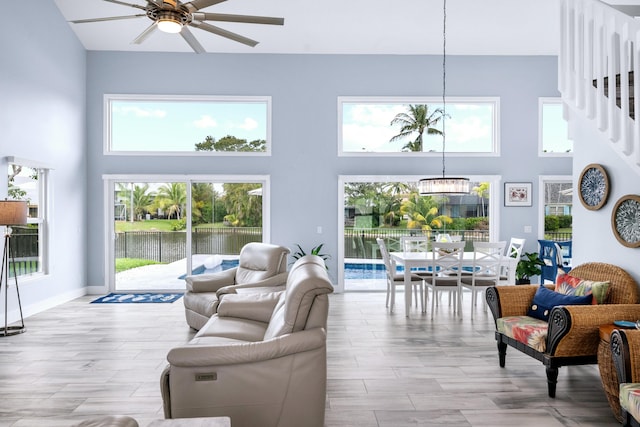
(495, 150)
(107, 114)
(542, 180)
(42, 220)
(542, 101)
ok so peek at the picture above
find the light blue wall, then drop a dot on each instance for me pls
(304, 167)
(593, 235)
(42, 118)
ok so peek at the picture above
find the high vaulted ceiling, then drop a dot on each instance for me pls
(474, 27)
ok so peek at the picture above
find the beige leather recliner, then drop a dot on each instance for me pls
(260, 360)
(260, 265)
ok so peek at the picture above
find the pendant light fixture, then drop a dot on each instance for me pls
(444, 185)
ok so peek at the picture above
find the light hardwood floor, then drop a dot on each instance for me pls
(80, 360)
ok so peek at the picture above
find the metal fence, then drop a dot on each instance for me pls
(361, 242)
(170, 246)
(24, 248)
(558, 237)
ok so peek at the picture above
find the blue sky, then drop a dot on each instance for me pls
(178, 126)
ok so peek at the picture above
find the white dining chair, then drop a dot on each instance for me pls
(514, 250)
(445, 274)
(487, 265)
(414, 243)
(395, 279)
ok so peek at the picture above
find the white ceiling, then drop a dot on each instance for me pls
(474, 27)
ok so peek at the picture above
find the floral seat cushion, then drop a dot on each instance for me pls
(525, 329)
(630, 399)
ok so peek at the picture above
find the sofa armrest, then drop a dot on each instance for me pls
(574, 329)
(254, 306)
(211, 282)
(510, 300)
(201, 352)
(273, 281)
(625, 349)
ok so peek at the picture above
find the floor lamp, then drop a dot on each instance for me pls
(12, 212)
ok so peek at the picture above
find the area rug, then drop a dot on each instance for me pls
(137, 298)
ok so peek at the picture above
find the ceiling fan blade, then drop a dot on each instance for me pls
(112, 18)
(145, 34)
(196, 5)
(247, 19)
(137, 6)
(189, 38)
(224, 33)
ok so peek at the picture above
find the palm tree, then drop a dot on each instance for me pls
(172, 197)
(244, 209)
(140, 198)
(419, 119)
(423, 212)
(482, 191)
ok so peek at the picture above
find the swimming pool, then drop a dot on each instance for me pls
(352, 270)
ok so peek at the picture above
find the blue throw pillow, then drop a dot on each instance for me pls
(545, 299)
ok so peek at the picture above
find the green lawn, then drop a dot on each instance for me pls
(155, 225)
(151, 225)
(123, 264)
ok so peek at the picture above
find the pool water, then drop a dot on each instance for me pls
(201, 269)
(352, 270)
(355, 271)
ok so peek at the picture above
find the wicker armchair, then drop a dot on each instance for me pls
(625, 350)
(572, 334)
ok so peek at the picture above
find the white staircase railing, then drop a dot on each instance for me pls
(601, 44)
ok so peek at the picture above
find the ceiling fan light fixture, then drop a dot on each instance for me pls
(169, 22)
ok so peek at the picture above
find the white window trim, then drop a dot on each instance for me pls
(494, 208)
(44, 234)
(107, 98)
(541, 102)
(108, 200)
(542, 179)
(495, 152)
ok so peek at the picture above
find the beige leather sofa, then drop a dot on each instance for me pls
(260, 265)
(260, 360)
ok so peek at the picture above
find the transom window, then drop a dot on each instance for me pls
(137, 124)
(413, 126)
(554, 131)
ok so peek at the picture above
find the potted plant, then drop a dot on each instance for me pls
(528, 267)
(314, 251)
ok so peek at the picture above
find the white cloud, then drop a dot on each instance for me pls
(469, 129)
(206, 122)
(249, 124)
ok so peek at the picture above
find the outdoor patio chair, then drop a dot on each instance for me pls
(556, 256)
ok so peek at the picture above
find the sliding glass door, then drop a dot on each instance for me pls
(391, 207)
(164, 229)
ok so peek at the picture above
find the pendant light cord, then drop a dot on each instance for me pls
(444, 78)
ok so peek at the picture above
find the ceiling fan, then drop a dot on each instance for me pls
(173, 16)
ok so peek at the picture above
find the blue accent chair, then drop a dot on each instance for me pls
(555, 255)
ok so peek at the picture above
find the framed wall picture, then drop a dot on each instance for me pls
(517, 193)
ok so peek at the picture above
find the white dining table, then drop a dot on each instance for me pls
(412, 260)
